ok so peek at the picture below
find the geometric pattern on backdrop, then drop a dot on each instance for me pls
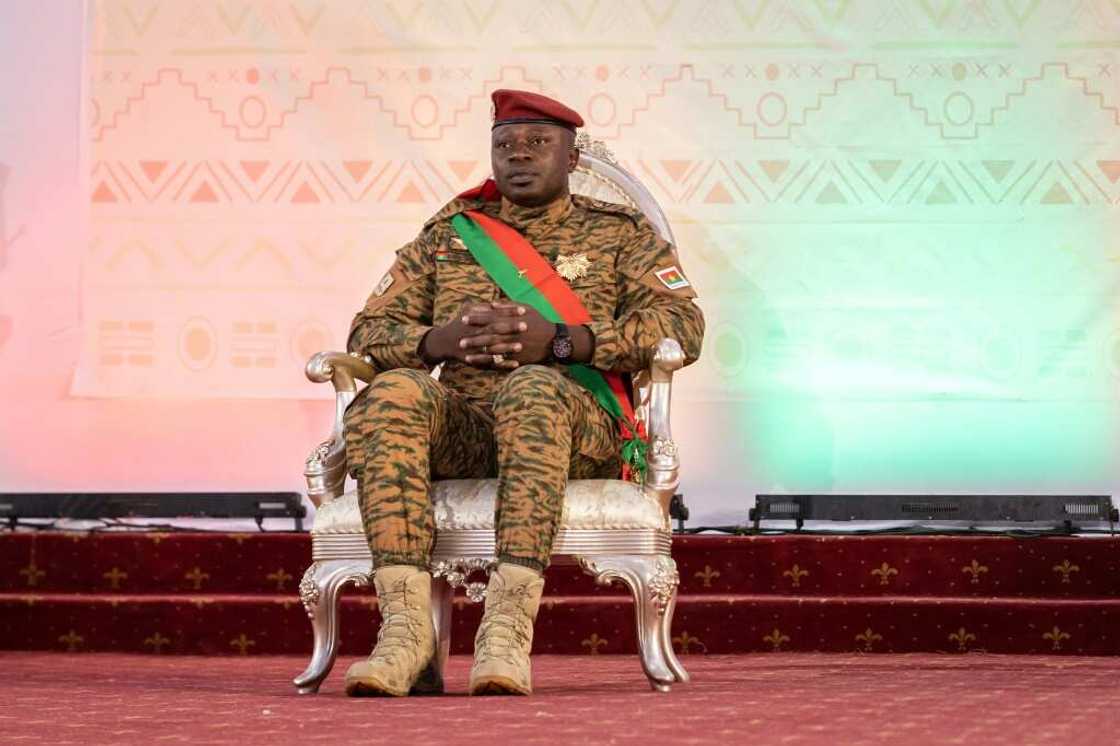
(905, 201)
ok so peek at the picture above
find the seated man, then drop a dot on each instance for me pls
(535, 302)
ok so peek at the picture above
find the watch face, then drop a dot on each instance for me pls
(562, 348)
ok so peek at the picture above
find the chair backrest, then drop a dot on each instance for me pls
(599, 176)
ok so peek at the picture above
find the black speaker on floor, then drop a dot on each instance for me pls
(111, 505)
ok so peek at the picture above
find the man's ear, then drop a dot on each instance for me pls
(573, 158)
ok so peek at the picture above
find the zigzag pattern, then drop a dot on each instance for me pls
(264, 132)
(685, 75)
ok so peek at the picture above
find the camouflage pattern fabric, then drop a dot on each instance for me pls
(406, 429)
(636, 293)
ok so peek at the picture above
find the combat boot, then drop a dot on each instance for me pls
(505, 635)
(404, 660)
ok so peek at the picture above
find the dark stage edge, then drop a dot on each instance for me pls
(774, 698)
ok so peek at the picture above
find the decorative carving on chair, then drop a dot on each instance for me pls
(597, 148)
(664, 448)
(315, 460)
(458, 570)
(664, 583)
(309, 590)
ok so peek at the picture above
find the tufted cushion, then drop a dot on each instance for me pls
(463, 504)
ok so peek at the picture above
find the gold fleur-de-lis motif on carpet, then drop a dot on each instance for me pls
(115, 576)
(868, 638)
(776, 639)
(72, 640)
(196, 576)
(157, 641)
(685, 641)
(593, 643)
(242, 643)
(279, 577)
(975, 570)
(795, 574)
(1055, 636)
(706, 575)
(156, 537)
(962, 637)
(884, 571)
(33, 574)
(1065, 569)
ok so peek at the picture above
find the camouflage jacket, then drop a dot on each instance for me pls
(633, 288)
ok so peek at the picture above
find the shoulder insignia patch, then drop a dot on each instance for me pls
(386, 283)
(672, 278)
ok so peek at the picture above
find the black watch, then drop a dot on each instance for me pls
(562, 344)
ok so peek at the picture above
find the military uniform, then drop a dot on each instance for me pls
(533, 427)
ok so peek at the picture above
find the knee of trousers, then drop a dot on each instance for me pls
(527, 385)
(403, 387)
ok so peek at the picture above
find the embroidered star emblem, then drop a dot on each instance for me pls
(572, 266)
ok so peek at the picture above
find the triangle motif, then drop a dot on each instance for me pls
(1025, 9)
(410, 193)
(1057, 195)
(462, 169)
(305, 196)
(103, 194)
(153, 169)
(676, 169)
(938, 15)
(940, 195)
(254, 169)
(998, 169)
(774, 169)
(357, 169)
(831, 195)
(718, 194)
(204, 193)
(1110, 169)
(885, 170)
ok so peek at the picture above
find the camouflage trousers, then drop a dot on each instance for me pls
(407, 429)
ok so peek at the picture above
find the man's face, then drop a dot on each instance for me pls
(531, 162)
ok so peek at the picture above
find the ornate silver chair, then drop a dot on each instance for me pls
(614, 530)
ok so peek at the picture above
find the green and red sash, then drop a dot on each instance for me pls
(526, 277)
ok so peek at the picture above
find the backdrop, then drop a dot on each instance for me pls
(901, 216)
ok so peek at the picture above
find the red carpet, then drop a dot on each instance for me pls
(806, 699)
(235, 593)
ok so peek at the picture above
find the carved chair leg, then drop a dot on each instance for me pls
(652, 580)
(319, 592)
(441, 619)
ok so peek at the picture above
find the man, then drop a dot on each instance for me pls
(534, 301)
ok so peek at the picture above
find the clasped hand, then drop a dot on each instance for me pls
(514, 332)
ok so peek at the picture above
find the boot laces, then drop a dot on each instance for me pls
(399, 633)
(507, 628)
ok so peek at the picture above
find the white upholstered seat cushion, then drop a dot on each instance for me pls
(465, 504)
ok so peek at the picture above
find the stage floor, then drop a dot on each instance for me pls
(779, 698)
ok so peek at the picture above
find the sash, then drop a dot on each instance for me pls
(526, 277)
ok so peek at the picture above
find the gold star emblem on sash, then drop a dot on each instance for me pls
(572, 266)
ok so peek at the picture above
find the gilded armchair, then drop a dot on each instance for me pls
(614, 530)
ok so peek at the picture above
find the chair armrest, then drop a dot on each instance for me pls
(663, 472)
(325, 468)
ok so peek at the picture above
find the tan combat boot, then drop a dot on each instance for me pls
(404, 660)
(505, 635)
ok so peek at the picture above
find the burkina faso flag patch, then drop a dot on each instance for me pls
(672, 278)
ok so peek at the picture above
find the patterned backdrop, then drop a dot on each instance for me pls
(900, 214)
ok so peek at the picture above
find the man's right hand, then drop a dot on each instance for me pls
(478, 333)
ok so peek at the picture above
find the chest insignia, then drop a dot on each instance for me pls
(572, 266)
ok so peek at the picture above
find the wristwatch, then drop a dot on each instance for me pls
(562, 344)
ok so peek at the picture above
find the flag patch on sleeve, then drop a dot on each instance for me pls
(672, 278)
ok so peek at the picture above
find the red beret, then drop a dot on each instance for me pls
(511, 107)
